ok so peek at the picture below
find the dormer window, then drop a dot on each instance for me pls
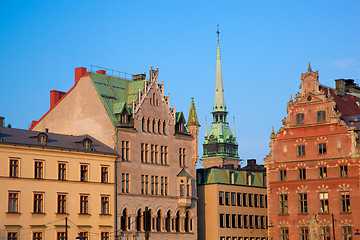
(42, 138)
(87, 143)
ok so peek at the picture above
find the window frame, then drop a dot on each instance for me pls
(300, 150)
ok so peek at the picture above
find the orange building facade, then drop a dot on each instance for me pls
(313, 165)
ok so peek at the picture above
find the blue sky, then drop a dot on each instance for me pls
(265, 46)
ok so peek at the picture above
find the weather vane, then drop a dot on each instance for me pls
(218, 32)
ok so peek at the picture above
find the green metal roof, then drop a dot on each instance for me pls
(193, 119)
(116, 93)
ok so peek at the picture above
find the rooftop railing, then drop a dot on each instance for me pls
(112, 72)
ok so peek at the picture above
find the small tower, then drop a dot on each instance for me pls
(193, 127)
(220, 146)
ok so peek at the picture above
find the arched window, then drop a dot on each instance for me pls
(148, 125)
(138, 220)
(168, 221)
(158, 221)
(164, 127)
(187, 222)
(143, 124)
(149, 222)
(153, 126)
(124, 220)
(159, 127)
(177, 222)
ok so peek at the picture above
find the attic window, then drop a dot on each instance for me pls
(87, 143)
(42, 138)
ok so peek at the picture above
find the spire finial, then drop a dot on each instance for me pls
(309, 68)
(291, 97)
(218, 32)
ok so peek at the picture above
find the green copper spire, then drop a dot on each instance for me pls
(193, 119)
(219, 104)
(220, 146)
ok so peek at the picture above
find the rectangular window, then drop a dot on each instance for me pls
(261, 200)
(300, 150)
(162, 155)
(324, 202)
(166, 186)
(221, 198)
(244, 199)
(325, 233)
(84, 204)
(125, 150)
(228, 221)
(245, 222)
(299, 118)
(256, 200)
(12, 236)
(152, 153)
(227, 198)
(165, 154)
(282, 174)
(262, 222)
(249, 179)
(156, 185)
(251, 221)
(222, 225)
(62, 171)
(239, 220)
(142, 152)
(152, 185)
(38, 203)
(37, 236)
(84, 174)
(60, 236)
(38, 169)
(283, 203)
(142, 184)
(302, 173)
(146, 184)
(61, 203)
(321, 116)
(233, 199)
(233, 221)
(304, 233)
(346, 232)
(322, 172)
(104, 174)
(238, 199)
(182, 157)
(322, 148)
(13, 205)
(84, 235)
(162, 186)
(256, 221)
(105, 236)
(156, 154)
(343, 171)
(105, 208)
(303, 203)
(125, 183)
(250, 200)
(345, 201)
(284, 233)
(14, 168)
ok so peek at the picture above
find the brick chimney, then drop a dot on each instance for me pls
(101, 71)
(79, 72)
(340, 86)
(2, 121)
(55, 96)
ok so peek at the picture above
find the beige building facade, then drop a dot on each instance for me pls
(46, 178)
(158, 151)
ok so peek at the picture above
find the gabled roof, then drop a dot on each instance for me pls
(183, 173)
(116, 92)
(20, 137)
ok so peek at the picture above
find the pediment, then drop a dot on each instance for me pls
(310, 98)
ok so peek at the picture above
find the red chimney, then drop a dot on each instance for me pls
(101, 71)
(79, 72)
(55, 96)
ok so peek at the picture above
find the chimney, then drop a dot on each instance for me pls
(79, 72)
(2, 121)
(251, 162)
(101, 72)
(55, 96)
(340, 86)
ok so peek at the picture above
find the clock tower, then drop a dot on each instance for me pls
(220, 146)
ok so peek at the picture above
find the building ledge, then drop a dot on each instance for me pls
(13, 213)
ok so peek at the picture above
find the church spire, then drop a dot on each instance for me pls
(219, 104)
(193, 119)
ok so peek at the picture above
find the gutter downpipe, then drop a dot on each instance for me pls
(116, 185)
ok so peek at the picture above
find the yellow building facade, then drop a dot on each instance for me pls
(46, 178)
